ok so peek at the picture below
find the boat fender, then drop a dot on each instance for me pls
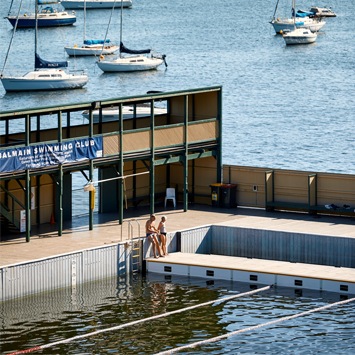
(281, 32)
(24, 15)
(75, 46)
(102, 57)
(278, 20)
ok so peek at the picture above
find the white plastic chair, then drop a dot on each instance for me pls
(170, 195)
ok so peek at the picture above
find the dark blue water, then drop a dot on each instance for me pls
(61, 314)
(283, 107)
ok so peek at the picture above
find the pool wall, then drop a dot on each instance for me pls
(69, 270)
(270, 245)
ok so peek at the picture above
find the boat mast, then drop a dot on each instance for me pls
(84, 18)
(121, 26)
(277, 4)
(36, 26)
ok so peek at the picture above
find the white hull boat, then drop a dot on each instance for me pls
(299, 36)
(93, 4)
(130, 63)
(90, 50)
(51, 79)
(46, 75)
(288, 24)
(109, 114)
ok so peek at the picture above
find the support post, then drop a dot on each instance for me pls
(38, 199)
(60, 205)
(120, 181)
(219, 149)
(152, 168)
(186, 162)
(91, 173)
(28, 183)
(68, 125)
(60, 179)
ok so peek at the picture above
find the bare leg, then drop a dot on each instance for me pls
(157, 245)
(163, 244)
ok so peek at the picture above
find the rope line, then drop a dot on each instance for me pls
(211, 340)
(140, 321)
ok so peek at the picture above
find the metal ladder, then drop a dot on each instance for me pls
(135, 247)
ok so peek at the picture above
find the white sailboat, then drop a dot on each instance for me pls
(91, 47)
(135, 62)
(46, 75)
(314, 25)
(298, 35)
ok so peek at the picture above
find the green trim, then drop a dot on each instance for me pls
(12, 114)
(13, 197)
(203, 121)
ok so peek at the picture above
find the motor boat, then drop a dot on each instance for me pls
(319, 11)
(299, 36)
(94, 4)
(47, 17)
(113, 113)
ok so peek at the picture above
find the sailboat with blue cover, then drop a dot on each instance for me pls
(46, 75)
(92, 47)
(47, 16)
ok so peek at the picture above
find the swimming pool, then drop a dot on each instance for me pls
(48, 317)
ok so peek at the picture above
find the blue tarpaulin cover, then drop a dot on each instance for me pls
(124, 49)
(44, 2)
(43, 64)
(304, 14)
(96, 41)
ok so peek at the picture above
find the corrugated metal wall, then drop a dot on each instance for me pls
(63, 271)
(197, 240)
(283, 246)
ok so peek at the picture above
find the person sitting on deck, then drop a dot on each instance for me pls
(151, 233)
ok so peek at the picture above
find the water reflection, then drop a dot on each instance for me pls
(61, 314)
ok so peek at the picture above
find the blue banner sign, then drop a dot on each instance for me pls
(39, 156)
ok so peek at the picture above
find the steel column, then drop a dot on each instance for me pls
(120, 181)
(219, 149)
(186, 162)
(91, 172)
(60, 179)
(152, 168)
(28, 182)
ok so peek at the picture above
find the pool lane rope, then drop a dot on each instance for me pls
(211, 340)
(140, 321)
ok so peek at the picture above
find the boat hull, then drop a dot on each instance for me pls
(282, 26)
(292, 40)
(68, 4)
(22, 84)
(31, 22)
(76, 51)
(117, 66)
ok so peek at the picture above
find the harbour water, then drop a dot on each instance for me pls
(62, 314)
(283, 107)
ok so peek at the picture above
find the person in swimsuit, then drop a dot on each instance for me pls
(162, 231)
(151, 233)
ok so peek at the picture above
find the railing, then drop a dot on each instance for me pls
(9, 213)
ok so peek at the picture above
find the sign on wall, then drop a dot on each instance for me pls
(38, 156)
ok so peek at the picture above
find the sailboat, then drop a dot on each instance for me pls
(279, 25)
(46, 75)
(91, 47)
(136, 62)
(298, 35)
